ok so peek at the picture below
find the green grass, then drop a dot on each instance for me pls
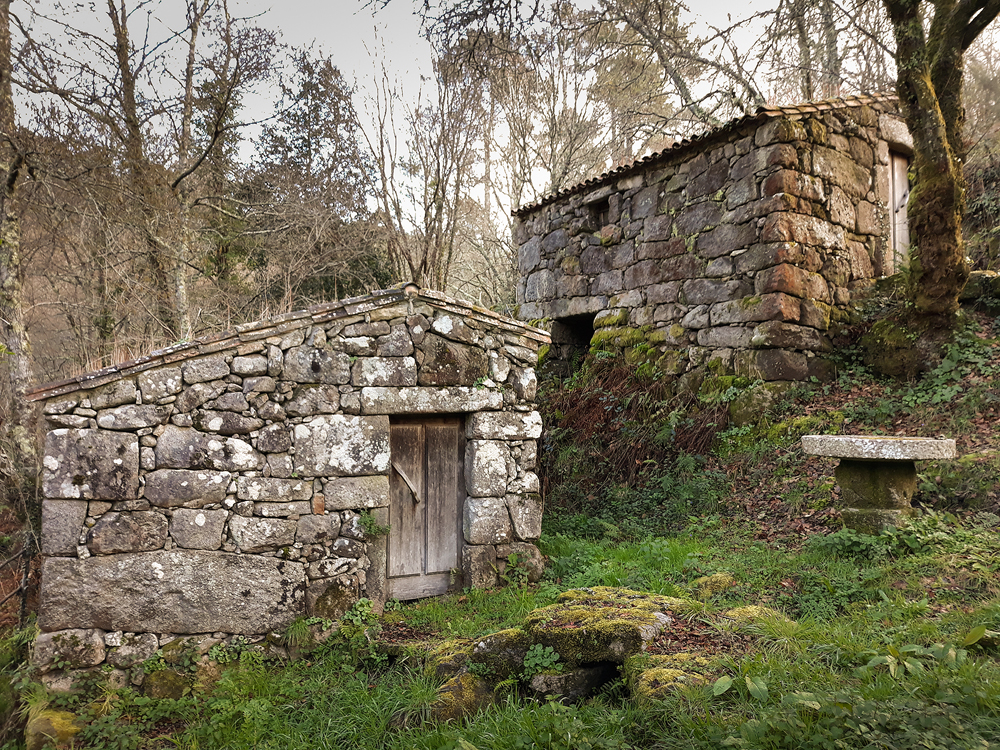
(860, 652)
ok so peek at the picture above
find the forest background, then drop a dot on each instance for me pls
(175, 169)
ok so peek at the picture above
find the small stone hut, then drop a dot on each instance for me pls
(230, 485)
(740, 246)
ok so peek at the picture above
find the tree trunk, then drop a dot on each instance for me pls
(938, 268)
(13, 332)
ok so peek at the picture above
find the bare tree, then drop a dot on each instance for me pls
(114, 93)
(13, 332)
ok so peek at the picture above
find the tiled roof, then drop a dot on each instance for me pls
(762, 113)
(281, 324)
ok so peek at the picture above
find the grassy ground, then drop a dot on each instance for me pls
(889, 642)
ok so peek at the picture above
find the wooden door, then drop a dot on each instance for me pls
(427, 494)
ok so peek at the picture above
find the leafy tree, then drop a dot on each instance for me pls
(315, 233)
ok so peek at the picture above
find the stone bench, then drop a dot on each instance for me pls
(877, 475)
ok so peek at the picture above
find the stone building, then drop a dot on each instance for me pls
(230, 485)
(741, 245)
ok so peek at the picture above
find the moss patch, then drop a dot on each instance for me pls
(709, 586)
(500, 655)
(462, 696)
(601, 624)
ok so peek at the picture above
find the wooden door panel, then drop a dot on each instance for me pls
(425, 538)
(444, 511)
(406, 517)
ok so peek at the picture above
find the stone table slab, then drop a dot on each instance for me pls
(879, 448)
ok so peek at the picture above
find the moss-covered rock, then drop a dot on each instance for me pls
(709, 586)
(501, 655)
(617, 338)
(611, 318)
(751, 402)
(447, 659)
(51, 728)
(166, 683)
(601, 624)
(463, 695)
(652, 678)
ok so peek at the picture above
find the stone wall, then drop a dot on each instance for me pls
(221, 487)
(742, 246)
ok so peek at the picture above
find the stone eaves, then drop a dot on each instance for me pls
(280, 324)
(704, 139)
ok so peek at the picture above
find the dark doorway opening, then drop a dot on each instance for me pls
(570, 342)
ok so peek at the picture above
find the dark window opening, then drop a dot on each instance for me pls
(601, 212)
(570, 342)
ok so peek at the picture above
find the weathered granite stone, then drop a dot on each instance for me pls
(394, 371)
(455, 327)
(132, 417)
(528, 557)
(195, 395)
(339, 445)
(274, 438)
(226, 422)
(312, 400)
(272, 490)
(261, 534)
(486, 521)
(198, 529)
(185, 448)
(175, 488)
(526, 514)
(879, 448)
(331, 598)
(116, 393)
(346, 547)
(270, 411)
(135, 648)
(504, 426)
(72, 421)
(397, 343)
(346, 493)
(90, 464)
(488, 467)
(259, 384)
(479, 566)
(282, 510)
(317, 529)
(876, 484)
(449, 363)
(76, 648)
(140, 531)
(377, 400)
(230, 402)
(157, 384)
(306, 364)
(180, 591)
(524, 382)
(328, 567)
(206, 368)
(61, 524)
(526, 483)
(253, 365)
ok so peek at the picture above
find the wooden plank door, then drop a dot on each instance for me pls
(427, 495)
